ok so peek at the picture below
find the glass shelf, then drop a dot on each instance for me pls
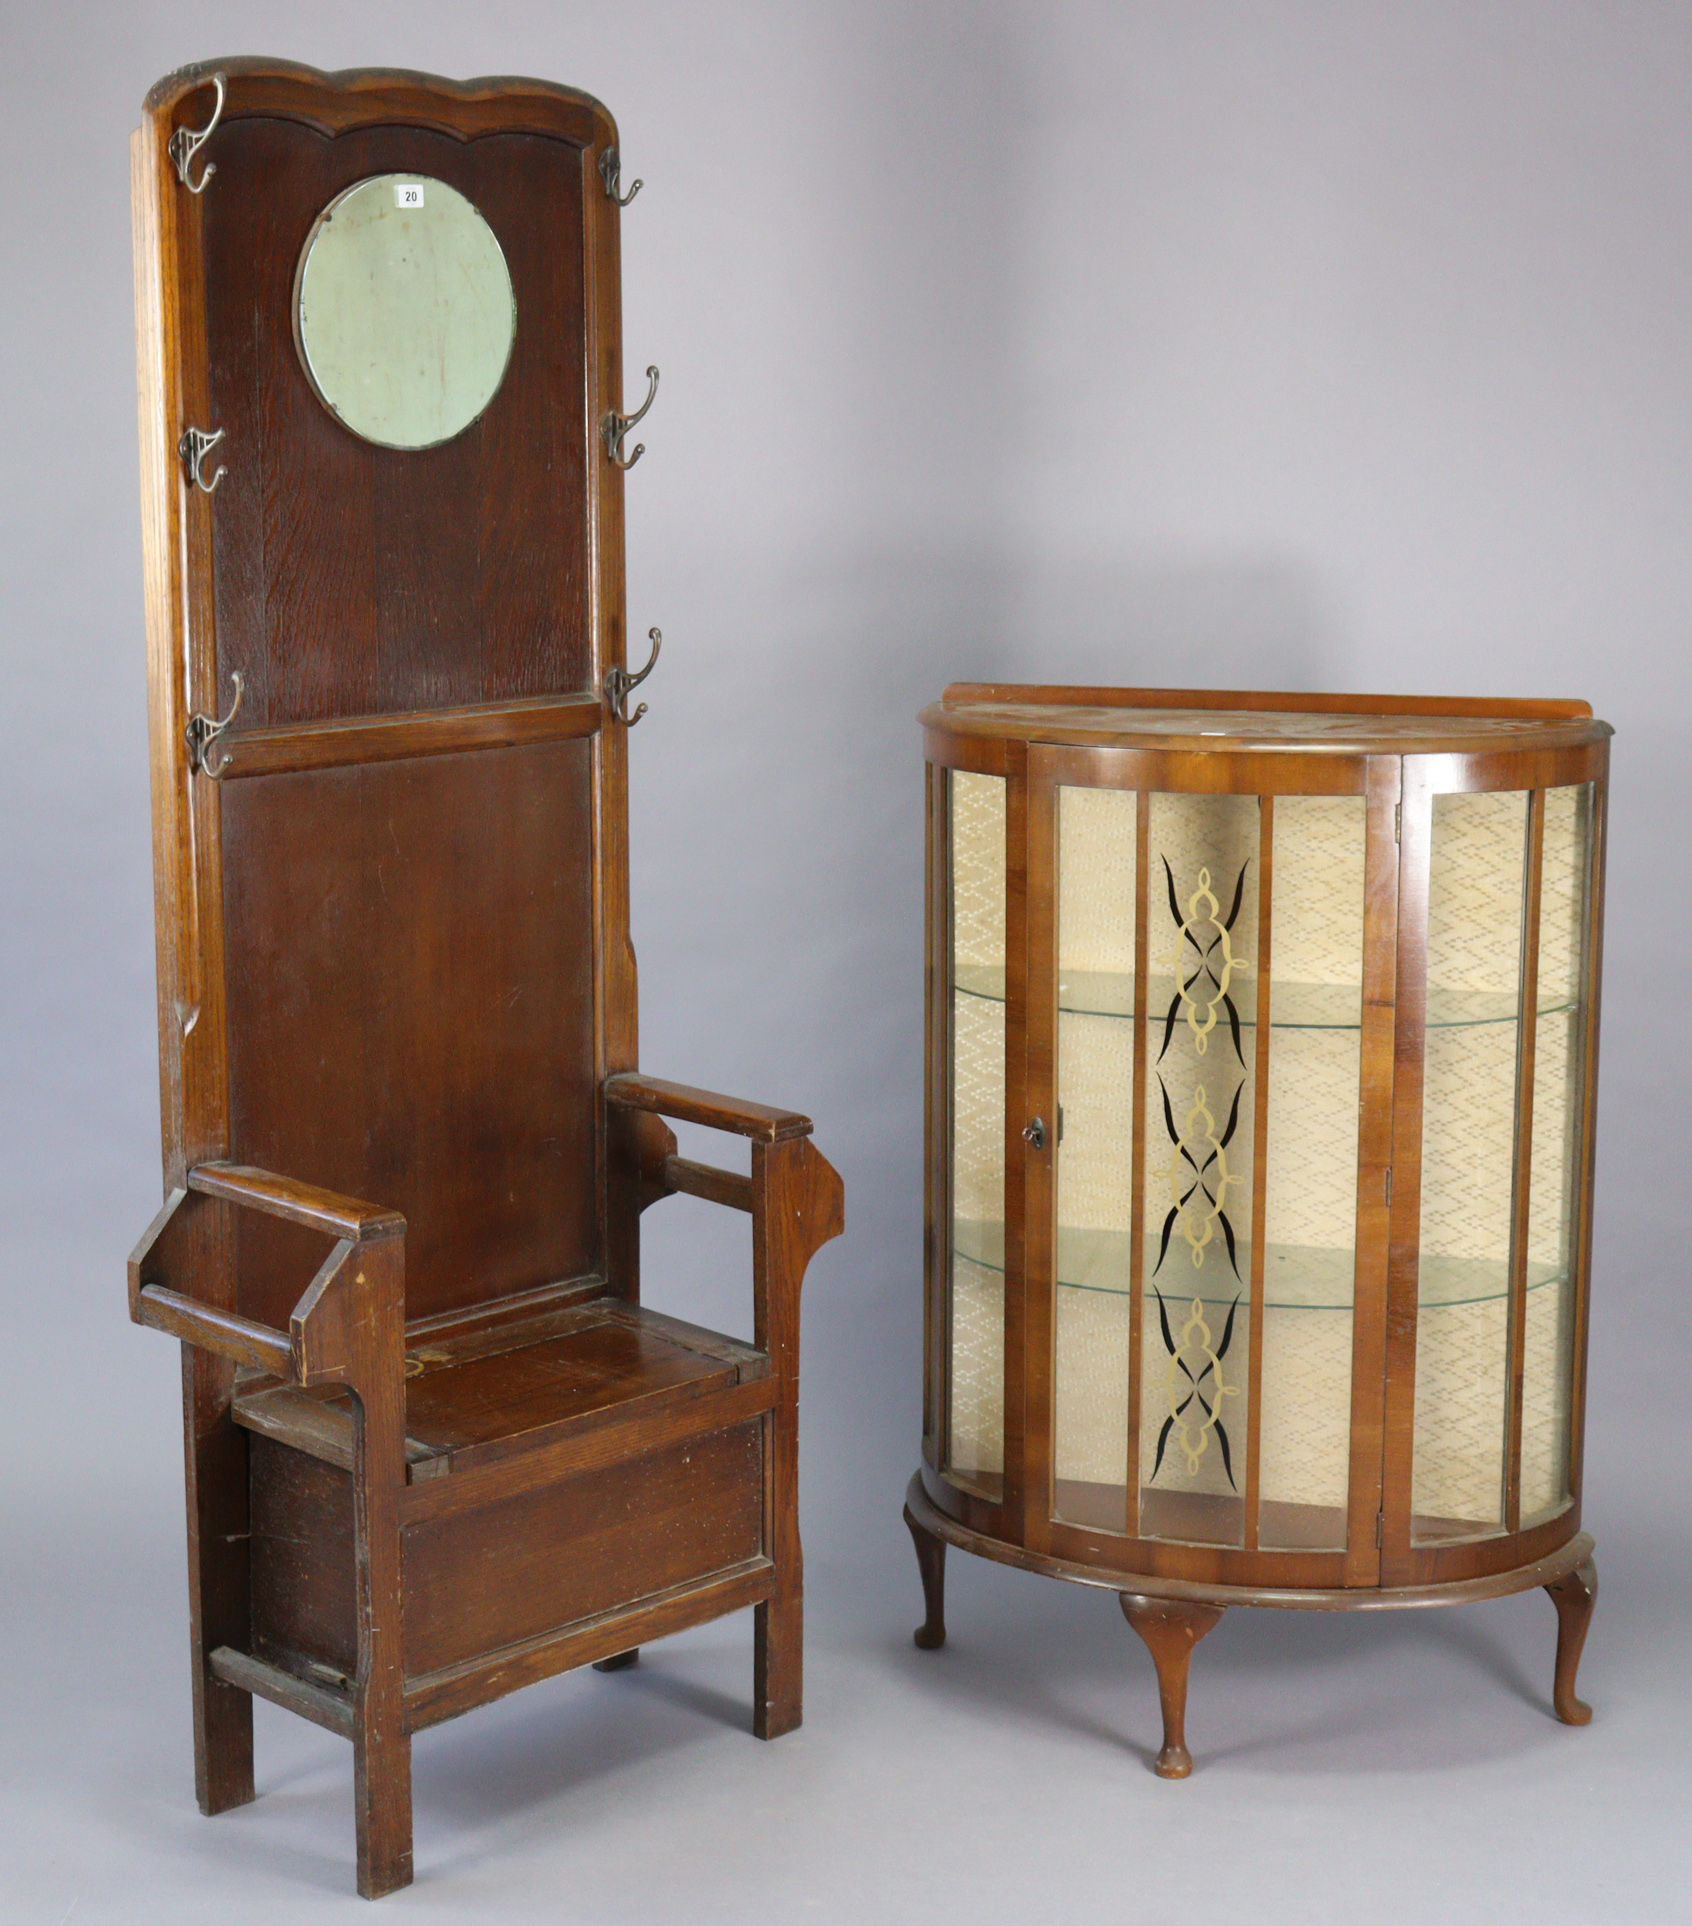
(1296, 1277)
(1298, 1006)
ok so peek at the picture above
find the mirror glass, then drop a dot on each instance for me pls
(403, 310)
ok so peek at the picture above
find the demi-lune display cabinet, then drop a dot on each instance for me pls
(1262, 1040)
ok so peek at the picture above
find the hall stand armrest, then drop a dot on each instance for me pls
(630, 1090)
(794, 1193)
(286, 1197)
(335, 1323)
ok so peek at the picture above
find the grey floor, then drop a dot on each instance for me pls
(1397, 1767)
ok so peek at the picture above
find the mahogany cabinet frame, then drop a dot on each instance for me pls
(1039, 738)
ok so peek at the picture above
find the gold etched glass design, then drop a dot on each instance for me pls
(1474, 957)
(1560, 1034)
(976, 1348)
(1198, 1102)
(1096, 897)
(1315, 1071)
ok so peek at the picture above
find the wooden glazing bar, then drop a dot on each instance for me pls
(1039, 1165)
(1521, 1182)
(1259, 1166)
(1017, 1114)
(1137, 1175)
(936, 1099)
(287, 747)
(1593, 971)
(1383, 1345)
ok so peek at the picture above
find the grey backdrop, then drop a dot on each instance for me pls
(1298, 344)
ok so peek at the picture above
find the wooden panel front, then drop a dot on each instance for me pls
(585, 1545)
(411, 1012)
(302, 1559)
(480, 1580)
(352, 579)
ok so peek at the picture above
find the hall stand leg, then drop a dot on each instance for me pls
(778, 1624)
(217, 1579)
(931, 1563)
(381, 1744)
(1574, 1596)
(797, 1206)
(778, 1665)
(1171, 1628)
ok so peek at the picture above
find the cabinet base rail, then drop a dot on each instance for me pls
(1173, 1614)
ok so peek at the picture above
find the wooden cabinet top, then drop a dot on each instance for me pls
(1208, 720)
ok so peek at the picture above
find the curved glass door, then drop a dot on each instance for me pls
(1549, 1281)
(1199, 1106)
(973, 1452)
(1315, 939)
(1495, 1324)
(1210, 969)
(1098, 869)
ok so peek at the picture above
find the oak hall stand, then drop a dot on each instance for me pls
(1262, 1054)
(436, 1447)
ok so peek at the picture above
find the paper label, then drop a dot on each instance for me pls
(408, 194)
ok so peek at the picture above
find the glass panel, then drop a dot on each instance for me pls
(1315, 1070)
(404, 311)
(1468, 1154)
(1202, 906)
(1096, 892)
(1548, 1361)
(976, 1401)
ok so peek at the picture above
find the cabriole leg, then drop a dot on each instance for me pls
(1171, 1628)
(1574, 1596)
(218, 1586)
(931, 1563)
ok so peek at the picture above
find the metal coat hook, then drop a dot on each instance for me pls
(611, 172)
(186, 142)
(619, 684)
(194, 447)
(614, 426)
(203, 731)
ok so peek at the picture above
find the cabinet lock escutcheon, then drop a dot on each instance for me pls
(1034, 1133)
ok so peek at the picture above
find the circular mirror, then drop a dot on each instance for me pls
(403, 310)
